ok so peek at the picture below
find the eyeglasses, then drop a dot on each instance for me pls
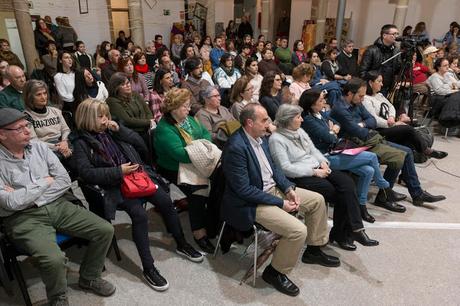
(20, 129)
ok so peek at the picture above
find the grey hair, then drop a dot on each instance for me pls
(149, 44)
(207, 92)
(248, 112)
(30, 89)
(285, 114)
(346, 42)
(116, 80)
(111, 53)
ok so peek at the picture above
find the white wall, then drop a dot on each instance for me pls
(156, 23)
(224, 11)
(92, 28)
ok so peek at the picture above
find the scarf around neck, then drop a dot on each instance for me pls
(142, 68)
(228, 71)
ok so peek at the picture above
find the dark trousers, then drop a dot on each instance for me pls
(340, 189)
(197, 209)
(408, 172)
(140, 223)
(404, 135)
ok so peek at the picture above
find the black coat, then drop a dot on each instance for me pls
(373, 58)
(93, 168)
(347, 64)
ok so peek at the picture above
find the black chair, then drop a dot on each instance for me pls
(94, 195)
(9, 253)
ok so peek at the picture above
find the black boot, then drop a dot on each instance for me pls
(362, 238)
(384, 200)
(365, 214)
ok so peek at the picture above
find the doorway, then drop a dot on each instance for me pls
(120, 17)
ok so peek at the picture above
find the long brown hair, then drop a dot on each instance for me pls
(123, 62)
(267, 84)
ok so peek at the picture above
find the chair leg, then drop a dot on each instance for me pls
(256, 236)
(115, 247)
(218, 239)
(445, 134)
(22, 283)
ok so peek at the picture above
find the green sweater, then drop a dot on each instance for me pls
(284, 55)
(134, 114)
(170, 146)
(10, 97)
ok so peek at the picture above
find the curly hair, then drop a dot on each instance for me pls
(267, 84)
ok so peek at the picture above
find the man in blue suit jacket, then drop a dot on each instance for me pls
(256, 191)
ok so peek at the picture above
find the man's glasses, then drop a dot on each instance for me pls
(20, 129)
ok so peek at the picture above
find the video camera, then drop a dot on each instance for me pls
(408, 47)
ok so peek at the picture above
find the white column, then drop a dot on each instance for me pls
(399, 18)
(321, 20)
(136, 22)
(26, 33)
(265, 21)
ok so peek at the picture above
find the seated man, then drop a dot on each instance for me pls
(256, 191)
(33, 207)
(11, 95)
(359, 125)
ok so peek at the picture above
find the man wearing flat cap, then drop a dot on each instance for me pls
(33, 208)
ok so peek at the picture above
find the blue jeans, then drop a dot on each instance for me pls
(408, 172)
(365, 165)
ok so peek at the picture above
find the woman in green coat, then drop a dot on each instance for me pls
(175, 130)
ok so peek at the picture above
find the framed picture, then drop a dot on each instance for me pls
(200, 11)
(83, 5)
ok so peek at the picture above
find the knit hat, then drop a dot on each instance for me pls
(429, 50)
(10, 115)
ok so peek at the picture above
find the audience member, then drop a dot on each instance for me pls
(195, 82)
(226, 74)
(33, 206)
(86, 86)
(11, 95)
(102, 55)
(7, 55)
(268, 63)
(212, 114)
(348, 62)
(50, 59)
(295, 154)
(284, 56)
(42, 35)
(330, 67)
(66, 37)
(159, 41)
(142, 69)
(242, 94)
(175, 131)
(128, 107)
(270, 93)
(3, 78)
(111, 67)
(162, 83)
(257, 191)
(241, 59)
(244, 28)
(323, 131)
(216, 52)
(302, 75)
(64, 80)
(104, 152)
(251, 70)
(122, 41)
(138, 85)
(176, 46)
(298, 53)
(82, 58)
(358, 125)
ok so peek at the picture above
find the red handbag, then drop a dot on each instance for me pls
(137, 185)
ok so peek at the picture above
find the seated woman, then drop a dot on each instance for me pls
(162, 83)
(318, 81)
(268, 63)
(138, 84)
(64, 80)
(212, 114)
(330, 66)
(174, 131)
(323, 132)
(86, 86)
(48, 123)
(394, 129)
(302, 75)
(226, 75)
(251, 71)
(128, 106)
(242, 93)
(295, 154)
(298, 55)
(142, 68)
(419, 72)
(104, 153)
(270, 93)
(284, 55)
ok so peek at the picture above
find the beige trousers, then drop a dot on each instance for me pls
(293, 232)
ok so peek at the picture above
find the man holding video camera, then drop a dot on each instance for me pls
(376, 56)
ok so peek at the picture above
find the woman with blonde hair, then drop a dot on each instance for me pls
(175, 130)
(104, 152)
